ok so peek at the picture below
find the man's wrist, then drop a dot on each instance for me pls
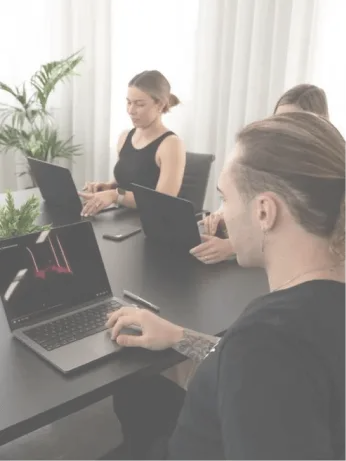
(177, 335)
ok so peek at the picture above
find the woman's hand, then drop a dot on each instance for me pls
(213, 250)
(94, 203)
(93, 187)
(211, 223)
(157, 333)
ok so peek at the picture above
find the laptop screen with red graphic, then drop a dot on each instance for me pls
(50, 271)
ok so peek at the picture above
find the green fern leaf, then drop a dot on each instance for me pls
(20, 221)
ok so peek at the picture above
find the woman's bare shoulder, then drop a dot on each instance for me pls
(122, 139)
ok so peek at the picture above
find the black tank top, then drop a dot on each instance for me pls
(138, 165)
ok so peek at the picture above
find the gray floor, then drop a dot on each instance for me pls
(74, 437)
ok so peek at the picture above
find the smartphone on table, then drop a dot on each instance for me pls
(122, 232)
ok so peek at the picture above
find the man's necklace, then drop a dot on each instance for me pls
(330, 268)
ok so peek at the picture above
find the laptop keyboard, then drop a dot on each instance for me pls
(66, 330)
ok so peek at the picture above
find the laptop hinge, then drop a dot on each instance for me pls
(68, 310)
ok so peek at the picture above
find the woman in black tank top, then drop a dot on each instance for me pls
(149, 155)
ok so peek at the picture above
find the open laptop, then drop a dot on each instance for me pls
(56, 295)
(166, 219)
(57, 186)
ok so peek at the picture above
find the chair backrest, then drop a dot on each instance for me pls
(196, 177)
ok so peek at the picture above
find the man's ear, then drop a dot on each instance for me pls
(266, 211)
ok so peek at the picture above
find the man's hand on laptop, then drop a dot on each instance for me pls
(157, 333)
(94, 203)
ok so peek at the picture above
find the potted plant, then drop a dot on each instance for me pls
(27, 125)
(19, 221)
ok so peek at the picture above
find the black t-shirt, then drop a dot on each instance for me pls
(274, 388)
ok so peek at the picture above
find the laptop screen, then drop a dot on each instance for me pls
(50, 271)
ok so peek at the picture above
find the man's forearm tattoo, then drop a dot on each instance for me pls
(196, 346)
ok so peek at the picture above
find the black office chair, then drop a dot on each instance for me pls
(196, 177)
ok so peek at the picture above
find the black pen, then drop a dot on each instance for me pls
(140, 300)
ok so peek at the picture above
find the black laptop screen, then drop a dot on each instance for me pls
(51, 270)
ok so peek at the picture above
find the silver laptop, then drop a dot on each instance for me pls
(56, 295)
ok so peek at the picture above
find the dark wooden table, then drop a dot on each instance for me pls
(204, 298)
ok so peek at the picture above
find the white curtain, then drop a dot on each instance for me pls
(119, 38)
(249, 52)
(153, 34)
(84, 105)
(23, 47)
(328, 63)
(56, 29)
(227, 60)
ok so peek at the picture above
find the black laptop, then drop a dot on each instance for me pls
(57, 186)
(166, 219)
(56, 295)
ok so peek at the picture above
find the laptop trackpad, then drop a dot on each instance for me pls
(86, 350)
(101, 344)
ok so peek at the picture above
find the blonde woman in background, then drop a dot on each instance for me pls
(149, 155)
